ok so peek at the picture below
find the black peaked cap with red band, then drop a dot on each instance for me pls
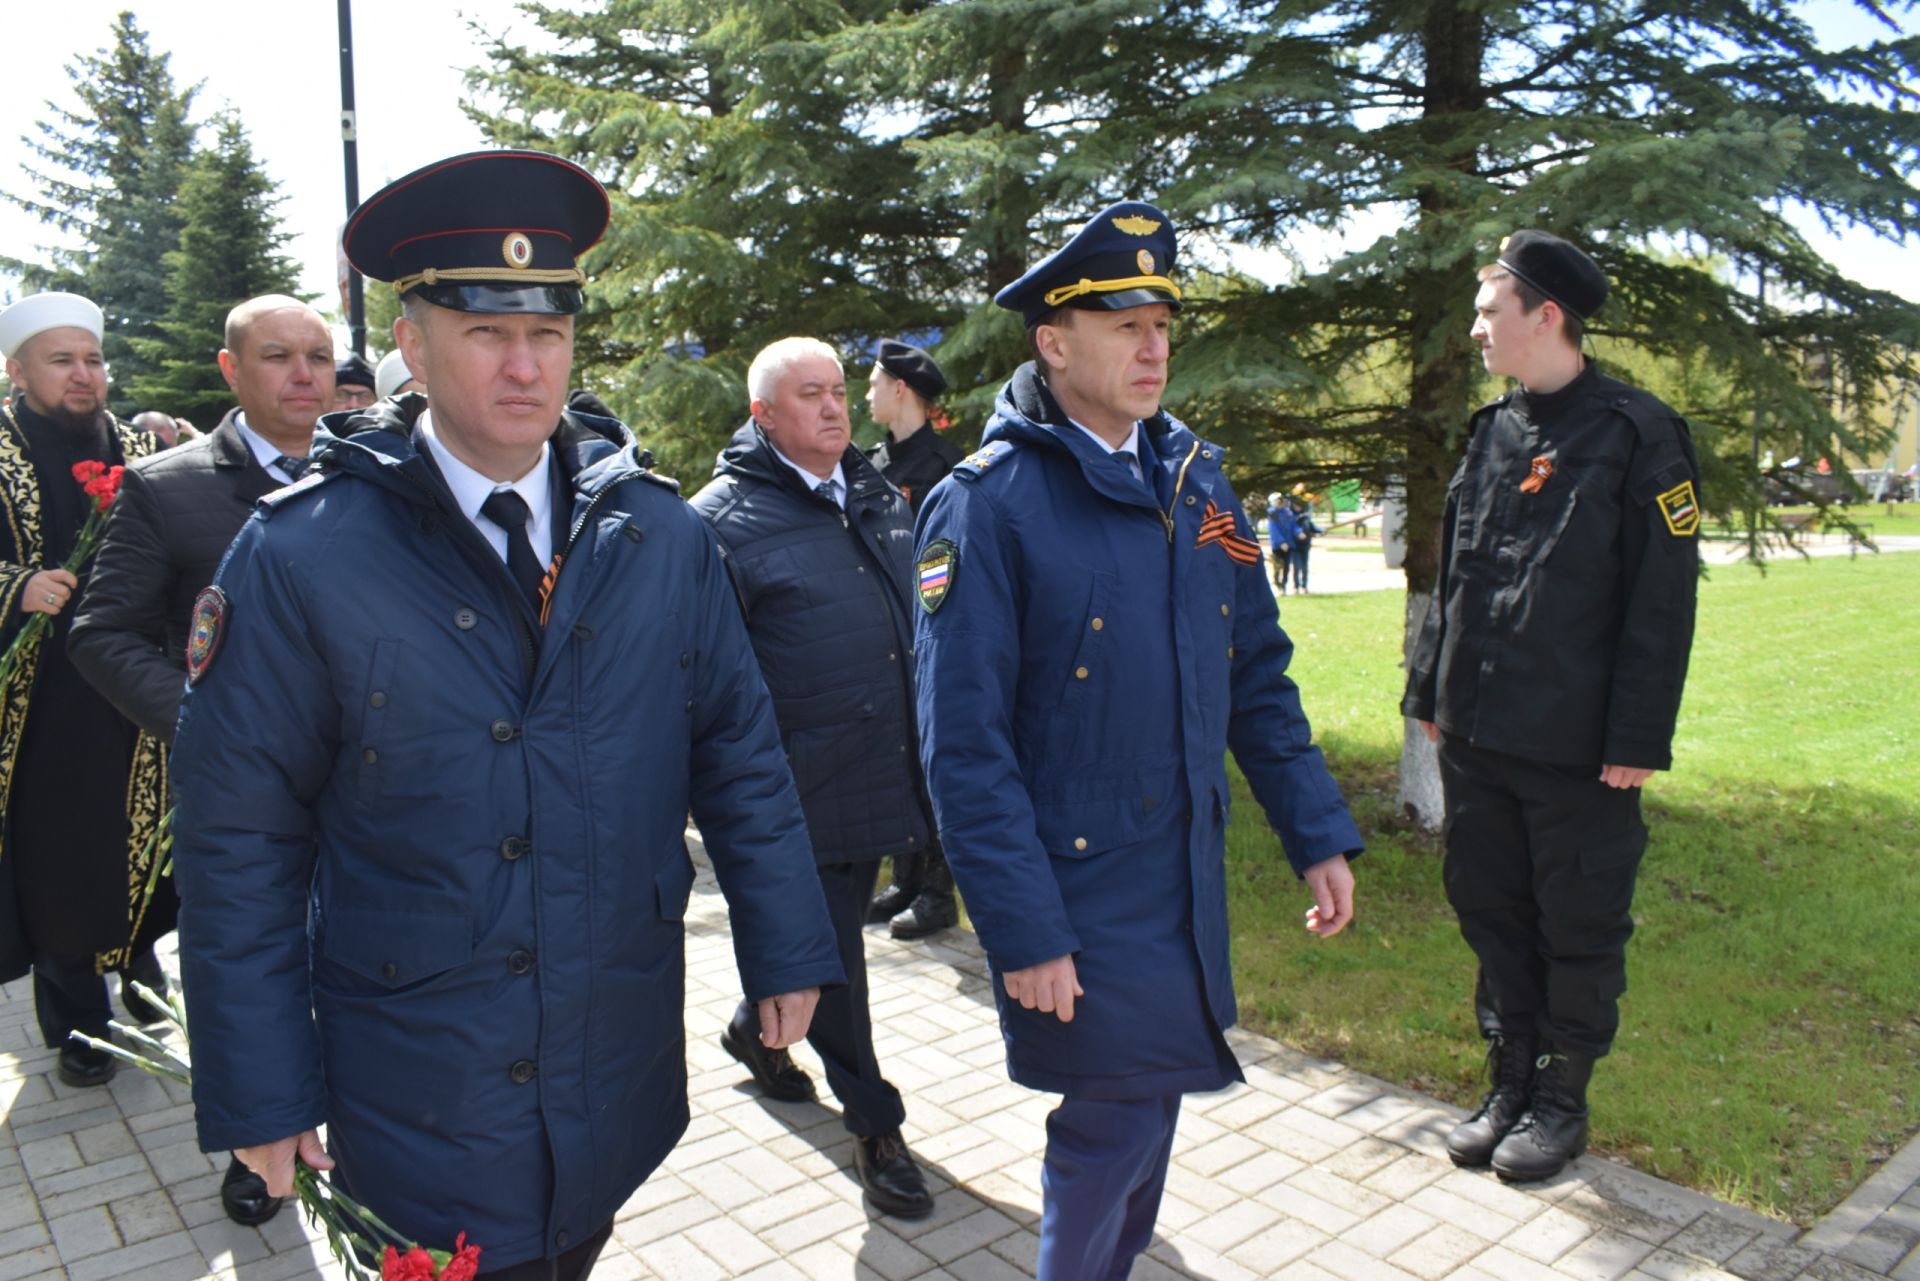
(488, 231)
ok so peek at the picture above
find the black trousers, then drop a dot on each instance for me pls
(1540, 867)
(68, 996)
(916, 872)
(842, 1029)
(574, 1265)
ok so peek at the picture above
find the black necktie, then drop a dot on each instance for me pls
(1132, 462)
(293, 467)
(826, 490)
(509, 511)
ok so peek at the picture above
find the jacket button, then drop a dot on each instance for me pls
(1229, 651)
(562, 1238)
(520, 961)
(1079, 842)
(686, 660)
(1206, 453)
(378, 698)
(1224, 611)
(1080, 673)
(866, 709)
(892, 657)
(632, 535)
(861, 568)
(515, 847)
(582, 632)
(370, 756)
(523, 1071)
(389, 971)
(502, 731)
(1189, 500)
(465, 619)
(1099, 623)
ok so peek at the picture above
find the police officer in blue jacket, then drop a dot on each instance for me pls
(1096, 631)
(452, 697)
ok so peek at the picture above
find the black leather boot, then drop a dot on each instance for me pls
(934, 908)
(84, 1067)
(243, 1194)
(146, 970)
(1553, 1129)
(893, 1182)
(1510, 1072)
(898, 895)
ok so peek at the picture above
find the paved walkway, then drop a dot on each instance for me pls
(1310, 1172)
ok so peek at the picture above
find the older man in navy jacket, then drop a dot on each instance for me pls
(1096, 632)
(452, 700)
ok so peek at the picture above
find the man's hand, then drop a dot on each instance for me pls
(1624, 776)
(47, 592)
(784, 1019)
(274, 1161)
(1332, 883)
(1431, 730)
(1049, 987)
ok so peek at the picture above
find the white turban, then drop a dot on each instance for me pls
(38, 313)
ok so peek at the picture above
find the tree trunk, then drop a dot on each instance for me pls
(1453, 37)
(1419, 797)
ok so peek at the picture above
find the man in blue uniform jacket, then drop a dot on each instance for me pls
(1096, 631)
(452, 698)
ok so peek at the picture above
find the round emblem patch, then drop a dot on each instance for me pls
(933, 573)
(517, 249)
(210, 609)
(1145, 259)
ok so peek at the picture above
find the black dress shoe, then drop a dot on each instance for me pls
(893, 1182)
(889, 903)
(144, 970)
(82, 1066)
(929, 913)
(777, 1075)
(244, 1194)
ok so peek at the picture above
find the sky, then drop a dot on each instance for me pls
(282, 73)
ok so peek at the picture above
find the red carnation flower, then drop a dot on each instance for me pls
(465, 1263)
(415, 1265)
(89, 470)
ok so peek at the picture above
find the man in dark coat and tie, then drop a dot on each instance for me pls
(176, 515)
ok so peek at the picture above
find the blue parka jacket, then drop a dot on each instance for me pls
(431, 854)
(1099, 645)
(827, 603)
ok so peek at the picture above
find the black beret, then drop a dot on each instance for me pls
(913, 367)
(1558, 269)
(354, 371)
(489, 231)
(1122, 258)
(582, 401)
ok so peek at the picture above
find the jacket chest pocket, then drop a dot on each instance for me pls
(401, 753)
(1087, 645)
(387, 950)
(1533, 530)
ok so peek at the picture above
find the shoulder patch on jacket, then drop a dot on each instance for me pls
(270, 503)
(933, 573)
(210, 610)
(1681, 510)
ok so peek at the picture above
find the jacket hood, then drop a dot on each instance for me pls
(1026, 412)
(377, 444)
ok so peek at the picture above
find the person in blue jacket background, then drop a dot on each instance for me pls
(452, 697)
(1281, 529)
(1095, 633)
(1304, 532)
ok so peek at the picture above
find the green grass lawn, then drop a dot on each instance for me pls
(1770, 1047)
(1880, 518)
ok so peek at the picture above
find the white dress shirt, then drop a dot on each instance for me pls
(838, 479)
(470, 489)
(263, 449)
(1131, 445)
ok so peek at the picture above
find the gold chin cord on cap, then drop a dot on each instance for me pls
(491, 276)
(1054, 297)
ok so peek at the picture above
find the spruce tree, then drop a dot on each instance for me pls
(107, 174)
(228, 251)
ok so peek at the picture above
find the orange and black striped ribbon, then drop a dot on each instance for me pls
(1217, 526)
(547, 581)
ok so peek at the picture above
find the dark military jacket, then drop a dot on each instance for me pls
(915, 465)
(1560, 626)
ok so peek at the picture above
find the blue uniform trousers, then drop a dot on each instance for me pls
(1105, 1168)
(842, 1028)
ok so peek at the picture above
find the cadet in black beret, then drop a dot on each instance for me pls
(1550, 677)
(914, 457)
(353, 383)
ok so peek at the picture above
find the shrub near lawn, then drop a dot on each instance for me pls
(1770, 1042)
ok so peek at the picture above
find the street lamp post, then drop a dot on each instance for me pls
(349, 141)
